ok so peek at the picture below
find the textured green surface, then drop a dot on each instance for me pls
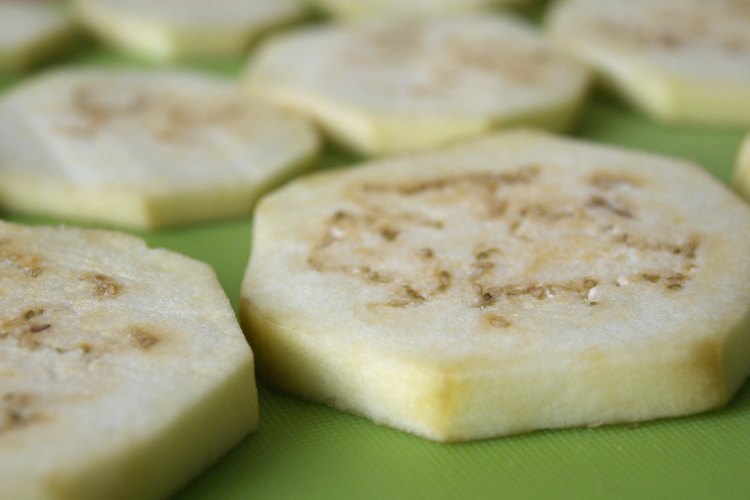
(304, 450)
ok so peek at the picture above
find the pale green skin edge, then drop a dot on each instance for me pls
(21, 59)
(376, 133)
(668, 97)
(741, 180)
(672, 99)
(352, 10)
(135, 209)
(161, 466)
(291, 360)
(165, 43)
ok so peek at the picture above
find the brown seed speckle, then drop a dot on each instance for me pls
(389, 233)
(486, 299)
(612, 180)
(103, 286)
(95, 109)
(30, 264)
(16, 411)
(444, 279)
(426, 253)
(482, 252)
(497, 321)
(675, 281)
(25, 329)
(408, 297)
(143, 338)
(689, 248)
(378, 277)
(496, 208)
(39, 328)
(651, 277)
(489, 296)
(538, 292)
(611, 205)
(484, 180)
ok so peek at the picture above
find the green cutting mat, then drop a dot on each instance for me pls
(304, 450)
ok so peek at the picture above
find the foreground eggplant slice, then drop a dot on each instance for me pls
(124, 371)
(514, 283)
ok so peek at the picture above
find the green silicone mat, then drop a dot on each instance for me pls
(304, 450)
